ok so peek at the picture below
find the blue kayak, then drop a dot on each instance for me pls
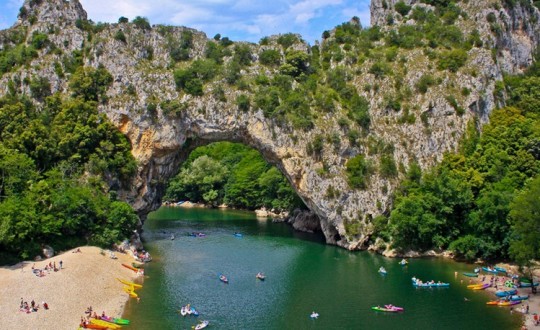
(238, 235)
(504, 293)
(500, 269)
(518, 298)
(527, 285)
(490, 270)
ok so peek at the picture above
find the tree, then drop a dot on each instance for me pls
(525, 221)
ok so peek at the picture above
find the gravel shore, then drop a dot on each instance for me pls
(88, 278)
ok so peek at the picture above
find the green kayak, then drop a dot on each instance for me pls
(471, 274)
(382, 309)
(121, 321)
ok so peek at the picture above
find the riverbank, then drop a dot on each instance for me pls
(87, 278)
(533, 302)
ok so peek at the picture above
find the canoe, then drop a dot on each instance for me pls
(105, 324)
(518, 298)
(508, 303)
(504, 293)
(120, 321)
(201, 325)
(128, 283)
(471, 274)
(382, 309)
(130, 267)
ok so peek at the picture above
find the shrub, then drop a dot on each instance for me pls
(142, 23)
(402, 8)
(452, 59)
(270, 57)
(358, 172)
(40, 87)
(120, 36)
(424, 83)
(243, 102)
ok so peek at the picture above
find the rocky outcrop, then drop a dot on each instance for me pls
(163, 136)
(301, 220)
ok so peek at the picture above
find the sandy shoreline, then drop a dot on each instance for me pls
(87, 279)
(533, 302)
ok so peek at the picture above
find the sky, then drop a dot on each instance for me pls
(240, 20)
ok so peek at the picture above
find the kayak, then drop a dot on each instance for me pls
(503, 293)
(193, 311)
(134, 285)
(238, 235)
(508, 303)
(183, 311)
(527, 285)
(95, 326)
(130, 291)
(471, 274)
(136, 265)
(493, 302)
(489, 270)
(382, 271)
(471, 286)
(201, 325)
(420, 284)
(482, 287)
(314, 315)
(382, 309)
(130, 267)
(399, 309)
(105, 324)
(117, 320)
(223, 278)
(500, 269)
(518, 298)
(260, 276)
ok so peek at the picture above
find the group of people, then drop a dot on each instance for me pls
(32, 307)
(90, 313)
(51, 266)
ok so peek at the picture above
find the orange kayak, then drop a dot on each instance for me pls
(493, 302)
(130, 267)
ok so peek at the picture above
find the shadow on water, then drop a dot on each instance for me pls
(303, 275)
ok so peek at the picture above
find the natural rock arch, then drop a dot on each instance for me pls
(144, 88)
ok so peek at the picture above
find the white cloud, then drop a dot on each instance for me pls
(247, 20)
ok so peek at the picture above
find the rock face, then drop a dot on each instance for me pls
(161, 139)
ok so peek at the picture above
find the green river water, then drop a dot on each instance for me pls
(303, 275)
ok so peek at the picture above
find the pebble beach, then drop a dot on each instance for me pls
(87, 278)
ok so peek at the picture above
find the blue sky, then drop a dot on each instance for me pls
(240, 20)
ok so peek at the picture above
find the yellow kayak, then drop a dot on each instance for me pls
(105, 324)
(471, 286)
(135, 285)
(129, 290)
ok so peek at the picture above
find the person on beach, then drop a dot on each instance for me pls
(60, 264)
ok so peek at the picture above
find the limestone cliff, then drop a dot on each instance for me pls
(164, 123)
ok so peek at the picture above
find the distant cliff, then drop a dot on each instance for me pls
(343, 119)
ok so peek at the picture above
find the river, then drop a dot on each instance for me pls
(303, 275)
